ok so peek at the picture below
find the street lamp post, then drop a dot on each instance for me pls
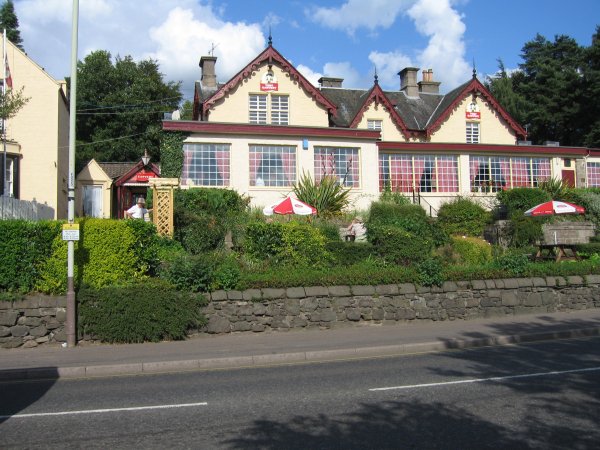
(71, 327)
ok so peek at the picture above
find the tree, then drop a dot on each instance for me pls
(501, 87)
(552, 86)
(591, 80)
(10, 22)
(11, 103)
(120, 107)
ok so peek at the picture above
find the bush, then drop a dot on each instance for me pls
(587, 198)
(193, 273)
(108, 252)
(150, 311)
(399, 246)
(515, 263)
(472, 250)
(398, 198)
(525, 231)
(521, 199)
(330, 230)
(203, 216)
(24, 248)
(430, 272)
(328, 196)
(349, 253)
(290, 243)
(463, 217)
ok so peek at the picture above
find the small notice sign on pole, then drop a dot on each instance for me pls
(70, 232)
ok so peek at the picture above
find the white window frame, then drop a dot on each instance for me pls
(348, 172)
(93, 201)
(280, 109)
(266, 173)
(257, 108)
(473, 132)
(201, 164)
(375, 124)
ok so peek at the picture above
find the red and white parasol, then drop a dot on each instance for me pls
(290, 205)
(554, 207)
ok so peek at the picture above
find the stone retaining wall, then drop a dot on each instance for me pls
(37, 319)
(260, 310)
(40, 319)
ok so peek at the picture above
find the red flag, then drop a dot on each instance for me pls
(7, 75)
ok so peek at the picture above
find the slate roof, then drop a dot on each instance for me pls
(116, 169)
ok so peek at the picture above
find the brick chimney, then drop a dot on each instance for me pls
(330, 82)
(207, 66)
(428, 86)
(408, 81)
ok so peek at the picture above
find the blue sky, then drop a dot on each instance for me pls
(340, 38)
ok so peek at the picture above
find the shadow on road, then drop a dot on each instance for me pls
(15, 396)
(391, 424)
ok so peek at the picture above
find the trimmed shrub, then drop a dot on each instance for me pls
(330, 230)
(24, 248)
(463, 217)
(203, 216)
(108, 252)
(521, 199)
(348, 253)
(399, 246)
(290, 243)
(430, 272)
(525, 231)
(150, 311)
(515, 263)
(472, 250)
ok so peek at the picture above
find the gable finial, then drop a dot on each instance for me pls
(270, 37)
(474, 69)
(376, 77)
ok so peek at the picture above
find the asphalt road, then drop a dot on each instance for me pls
(544, 395)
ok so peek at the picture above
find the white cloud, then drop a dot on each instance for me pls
(356, 14)
(388, 65)
(309, 74)
(175, 32)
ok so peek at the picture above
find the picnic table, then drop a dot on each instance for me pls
(557, 252)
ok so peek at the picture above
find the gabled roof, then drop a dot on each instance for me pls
(377, 96)
(451, 101)
(135, 168)
(270, 56)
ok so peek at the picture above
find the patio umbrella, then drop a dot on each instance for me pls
(554, 207)
(290, 205)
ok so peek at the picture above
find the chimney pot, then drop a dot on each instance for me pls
(330, 82)
(208, 76)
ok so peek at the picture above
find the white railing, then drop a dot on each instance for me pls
(12, 208)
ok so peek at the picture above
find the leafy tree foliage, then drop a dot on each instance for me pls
(120, 107)
(553, 91)
(10, 22)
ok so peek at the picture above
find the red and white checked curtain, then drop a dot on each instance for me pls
(593, 174)
(541, 169)
(222, 155)
(447, 173)
(288, 160)
(520, 172)
(188, 156)
(474, 163)
(255, 159)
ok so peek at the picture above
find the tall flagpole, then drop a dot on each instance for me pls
(71, 322)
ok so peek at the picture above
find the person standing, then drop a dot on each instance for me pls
(138, 211)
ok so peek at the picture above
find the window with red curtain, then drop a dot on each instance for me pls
(272, 165)
(593, 174)
(340, 162)
(206, 164)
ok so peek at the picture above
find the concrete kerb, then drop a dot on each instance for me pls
(285, 358)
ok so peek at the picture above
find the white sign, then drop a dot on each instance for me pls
(70, 232)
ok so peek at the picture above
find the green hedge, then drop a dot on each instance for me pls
(521, 199)
(149, 311)
(203, 216)
(108, 252)
(399, 246)
(472, 250)
(290, 243)
(463, 217)
(23, 249)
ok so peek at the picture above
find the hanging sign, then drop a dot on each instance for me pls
(268, 82)
(473, 111)
(144, 175)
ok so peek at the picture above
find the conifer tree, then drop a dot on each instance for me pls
(10, 22)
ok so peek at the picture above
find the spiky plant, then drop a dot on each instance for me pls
(555, 187)
(328, 196)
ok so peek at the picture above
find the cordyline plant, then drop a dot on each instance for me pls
(329, 195)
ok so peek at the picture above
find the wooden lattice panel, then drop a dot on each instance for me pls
(163, 211)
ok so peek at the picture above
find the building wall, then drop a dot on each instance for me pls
(41, 129)
(304, 111)
(93, 175)
(263, 196)
(389, 129)
(493, 129)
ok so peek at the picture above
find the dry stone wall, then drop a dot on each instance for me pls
(40, 319)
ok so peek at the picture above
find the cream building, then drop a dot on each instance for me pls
(38, 136)
(259, 132)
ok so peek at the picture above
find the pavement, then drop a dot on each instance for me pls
(243, 350)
